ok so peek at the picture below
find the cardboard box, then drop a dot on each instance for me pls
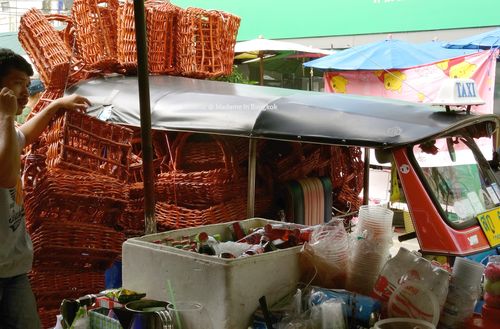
(228, 288)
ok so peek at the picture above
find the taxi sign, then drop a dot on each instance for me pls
(490, 223)
(458, 92)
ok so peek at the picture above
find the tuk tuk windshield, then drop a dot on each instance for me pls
(458, 177)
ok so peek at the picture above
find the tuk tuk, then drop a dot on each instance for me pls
(452, 193)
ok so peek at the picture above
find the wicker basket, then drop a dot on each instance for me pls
(51, 286)
(126, 49)
(47, 97)
(162, 24)
(171, 216)
(67, 33)
(79, 142)
(78, 71)
(96, 32)
(48, 316)
(46, 48)
(347, 176)
(86, 243)
(206, 40)
(160, 154)
(65, 196)
(203, 173)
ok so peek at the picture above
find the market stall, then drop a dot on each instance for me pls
(222, 154)
(277, 114)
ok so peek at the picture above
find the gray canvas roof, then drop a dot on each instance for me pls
(184, 104)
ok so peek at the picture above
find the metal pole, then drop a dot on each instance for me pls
(145, 107)
(261, 68)
(366, 177)
(252, 174)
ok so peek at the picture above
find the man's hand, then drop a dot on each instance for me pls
(72, 102)
(8, 102)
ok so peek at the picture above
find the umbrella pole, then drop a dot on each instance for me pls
(366, 177)
(252, 174)
(145, 111)
(261, 68)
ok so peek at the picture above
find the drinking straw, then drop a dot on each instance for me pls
(172, 301)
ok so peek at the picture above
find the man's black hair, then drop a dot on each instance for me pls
(10, 60)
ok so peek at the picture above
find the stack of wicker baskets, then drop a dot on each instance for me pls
(99, 37)
(75, 193)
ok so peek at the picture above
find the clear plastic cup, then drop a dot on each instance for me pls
(466, 272)
(376, 214)
(189, 315)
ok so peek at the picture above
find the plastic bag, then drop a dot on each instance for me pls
(82, 320)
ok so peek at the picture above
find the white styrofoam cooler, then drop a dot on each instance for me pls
(229, 288)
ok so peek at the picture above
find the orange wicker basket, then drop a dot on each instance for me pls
(44, 46)
(170, 216)
(78, 70)
(47, 97)
(96, 32)
(65, 196)
(203, 173)
(53, 284)
(126, 49)
(50, 281)
(79, 142)
(347, 176)
(162, 24)
(48, 315)
(82, 242)
(206, 41)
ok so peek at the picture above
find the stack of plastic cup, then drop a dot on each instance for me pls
(467, 273)
(332, 244)
(463, 292)
(375, 222)
(372, 240)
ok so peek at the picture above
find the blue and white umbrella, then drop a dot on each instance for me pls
(486, 40)
(380, 55)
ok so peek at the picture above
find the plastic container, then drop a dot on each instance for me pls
(390, 276)
(403, 323)
(229, 288)
(414, 300)
(376, 221)
(463, 293)
(466, 272)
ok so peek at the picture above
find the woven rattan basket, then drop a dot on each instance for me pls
(171, 216)
(66, 196)
(83, 242)
(126, 49)
(206, 40)
(203, 173)
(50, 281)
(47, 97)
(80, 142)
(162, 24)
(96, 32)
(46, 48)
